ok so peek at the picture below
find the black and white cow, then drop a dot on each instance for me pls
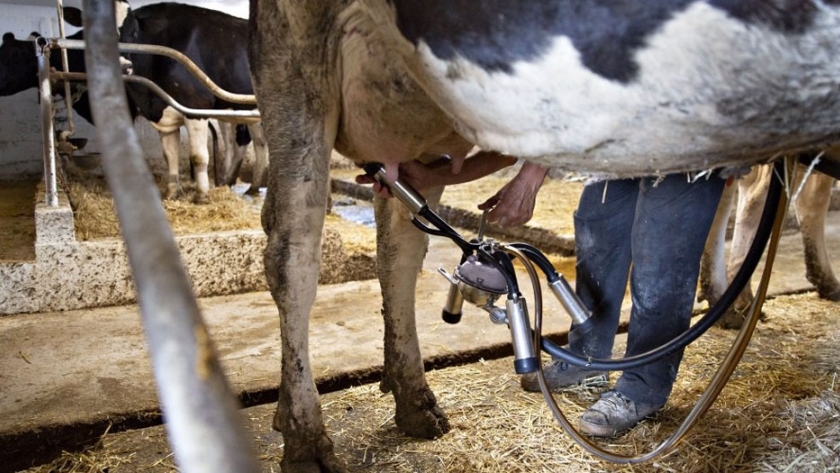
(621, 89)
(19, 72)
(217, 43)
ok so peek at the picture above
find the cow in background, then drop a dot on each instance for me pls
(811, 206)
(19, 72)
(217, 43)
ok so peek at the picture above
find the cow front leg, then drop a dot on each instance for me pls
(400, 252)
(811, 208)
(293, 217)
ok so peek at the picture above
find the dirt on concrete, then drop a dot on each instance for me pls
(17, 214)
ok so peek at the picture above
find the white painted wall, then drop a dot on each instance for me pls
(20, 127)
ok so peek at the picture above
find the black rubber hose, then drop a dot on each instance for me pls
(539, 259)
(505, 267)
(741, 279)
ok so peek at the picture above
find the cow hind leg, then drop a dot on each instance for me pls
(400, 252)
(170, 141)
(713, 264)
(224, 162)
(199, 157)
(260, 157)
(811, 208)
(752, 192)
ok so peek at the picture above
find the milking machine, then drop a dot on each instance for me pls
(486, 273)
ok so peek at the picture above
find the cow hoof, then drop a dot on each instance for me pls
(321, 465)
(201, 198)
(421, 417)
(310, 453)
(733, 319)
(831, 294)
(426, 424)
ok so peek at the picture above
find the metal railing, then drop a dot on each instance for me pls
(43, 46)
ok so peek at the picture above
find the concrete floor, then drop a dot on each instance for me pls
(66, 376)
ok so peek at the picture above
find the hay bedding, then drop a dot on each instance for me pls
(780, 412)
(95, 217)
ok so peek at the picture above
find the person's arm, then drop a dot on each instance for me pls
(514, 203)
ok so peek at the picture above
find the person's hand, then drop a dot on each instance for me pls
(412, 173)
(392, 172)
(514, 203)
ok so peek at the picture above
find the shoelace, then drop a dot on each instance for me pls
(615, 401)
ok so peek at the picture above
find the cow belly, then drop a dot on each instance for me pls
(711, 90)
(385, 116)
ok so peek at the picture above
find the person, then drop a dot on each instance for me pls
(650, 231)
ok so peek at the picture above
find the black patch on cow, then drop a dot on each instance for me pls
(214, 41)
(497, 33)
(243, 135)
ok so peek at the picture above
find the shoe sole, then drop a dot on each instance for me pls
(596, 430)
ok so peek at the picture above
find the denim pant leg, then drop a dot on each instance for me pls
(603, 222)
(672, 222)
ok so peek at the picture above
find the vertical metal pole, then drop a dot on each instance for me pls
(203, 421)
(68, 96)
(42, 51)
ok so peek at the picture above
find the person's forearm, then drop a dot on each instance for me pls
(534, 173)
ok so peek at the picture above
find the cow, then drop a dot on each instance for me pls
(811, 206)
(19, 72)
(217, 44)
(617, 89)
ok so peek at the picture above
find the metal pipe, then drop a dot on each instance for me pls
(245, 99)
(48, 133)
(68, 97)
(240, 116)
(204, 424)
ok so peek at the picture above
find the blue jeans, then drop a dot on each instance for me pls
(655, 236)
